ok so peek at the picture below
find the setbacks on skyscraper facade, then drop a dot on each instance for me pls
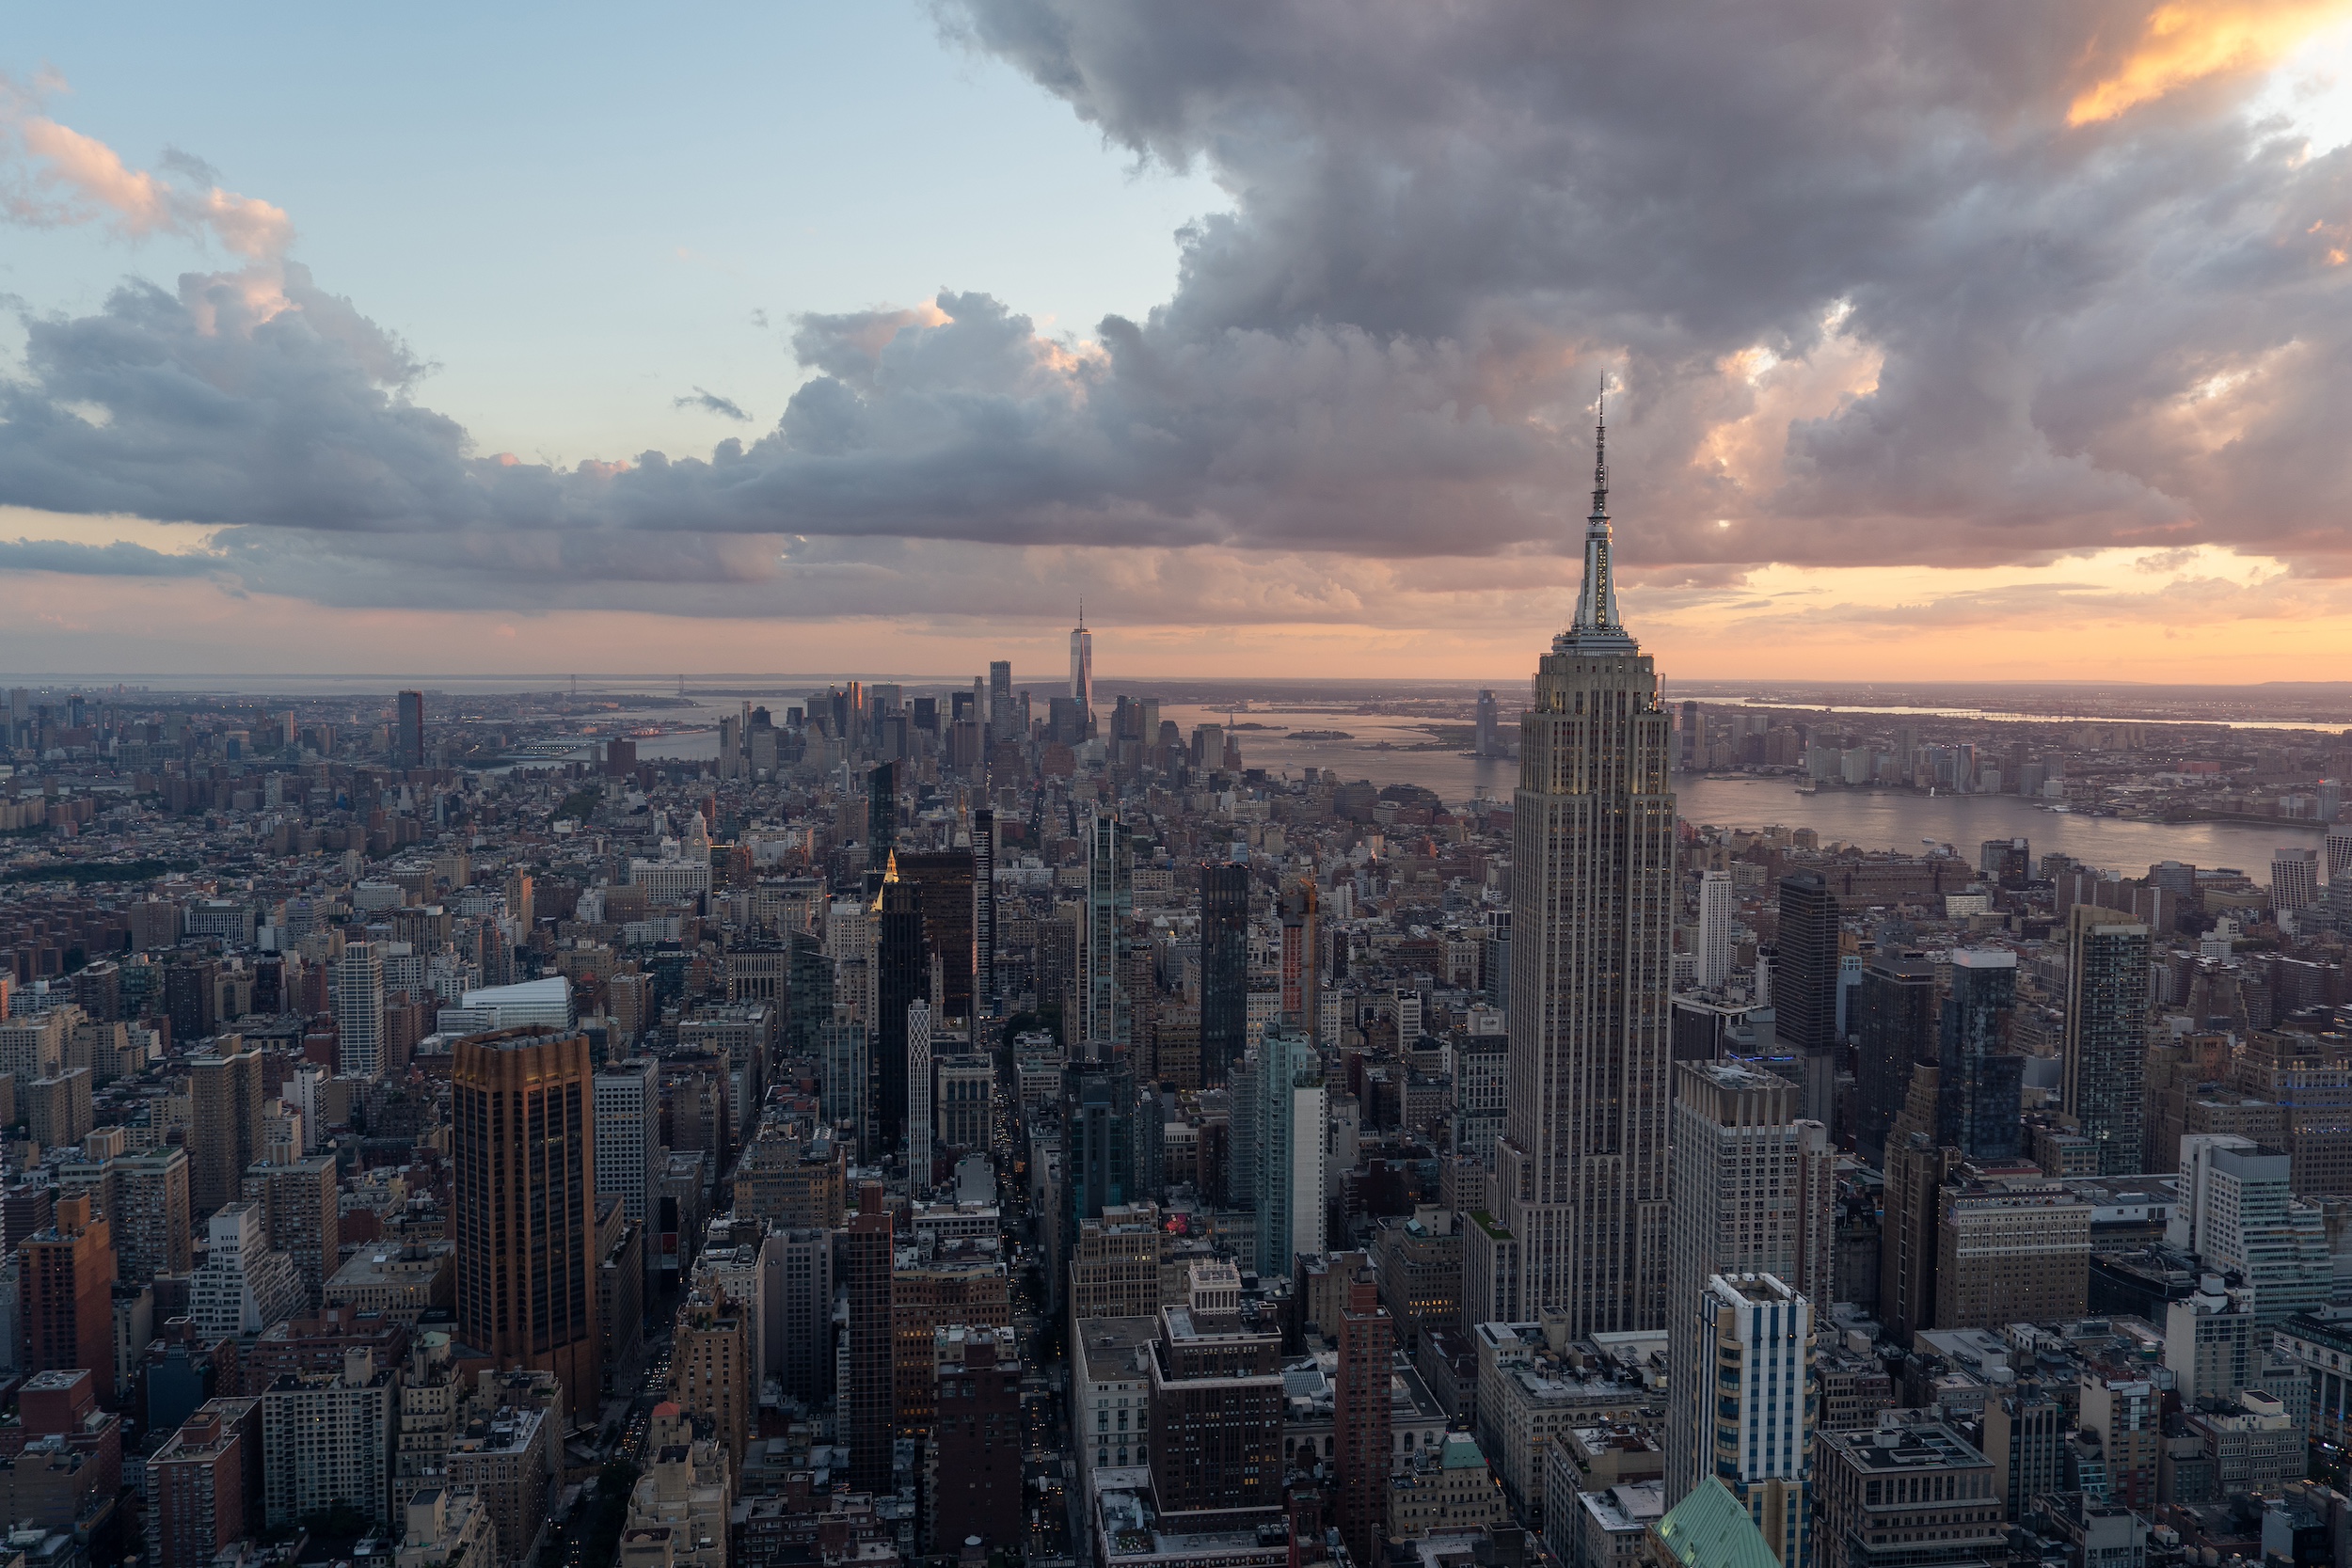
(1582, 1163)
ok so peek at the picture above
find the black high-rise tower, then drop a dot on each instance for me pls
(1224, 971)
(1805, 987)
(905, 976)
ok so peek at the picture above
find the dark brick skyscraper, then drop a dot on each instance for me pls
(976, 1450)
(1217, 1421)
(868, 1400)
(1361, 1446)
(67, 1295)
(524, 1203)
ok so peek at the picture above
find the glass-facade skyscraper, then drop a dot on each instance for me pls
(1224, 970)
(1897, 1026)
(1282, 1089)
(1979, 1081)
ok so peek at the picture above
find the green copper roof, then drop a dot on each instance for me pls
(1460, 1452)
(1710, 1530)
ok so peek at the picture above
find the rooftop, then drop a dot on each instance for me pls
(1923, 1445)
(1710, 1528)
(1628, 1507)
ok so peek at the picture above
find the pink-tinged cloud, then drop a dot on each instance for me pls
(56, 177)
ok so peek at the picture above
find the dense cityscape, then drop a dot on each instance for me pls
(997, 1123)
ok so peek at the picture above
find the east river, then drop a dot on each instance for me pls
(1874, 819)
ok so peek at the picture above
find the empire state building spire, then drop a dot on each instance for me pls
(1597, 625)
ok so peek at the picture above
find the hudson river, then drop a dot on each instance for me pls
(1875, 820)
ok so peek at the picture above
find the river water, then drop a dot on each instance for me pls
(1898, 820)
(1889, 819)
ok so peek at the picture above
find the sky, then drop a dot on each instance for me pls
(2004, 342)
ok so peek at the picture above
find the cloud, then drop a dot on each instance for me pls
(2187, 41)
(56, 177)
(711, 403)
(121, 559)
(1875, 281)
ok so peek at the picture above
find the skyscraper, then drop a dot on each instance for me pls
(1495, 958)
(919, 1142)
(2293, 879)
(1714, 932)
(628, 1139)
(1582, 1158)
(1224, 970)
(523, 1203)
(903, 958)
(1099, 1143)
(1002, 717)
(881, 815)
(983, 914)
(66, 1295)
(225, 1104)
(947, 882)
(1980, 1079)
(2106, 1055)
(844, 1078)
(1489, 726)
(408, 732)
(302, 1217)
(1897, 1004)
(2238, 1214)
(1756, 1353)
(1102, 935)
(1285, 1102)
(1082, 673)
(1753, 1195)
(1915, 1165)
(808, 998)
(359, 992)
(1805, 986)
(1301, 975)
(867, 1402)
(1361, 1415)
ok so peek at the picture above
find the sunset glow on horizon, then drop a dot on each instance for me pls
(2029, 370)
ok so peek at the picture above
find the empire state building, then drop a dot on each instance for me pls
(1580, 1170)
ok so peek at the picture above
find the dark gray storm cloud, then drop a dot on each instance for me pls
(119, 558)
(1863, 293)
